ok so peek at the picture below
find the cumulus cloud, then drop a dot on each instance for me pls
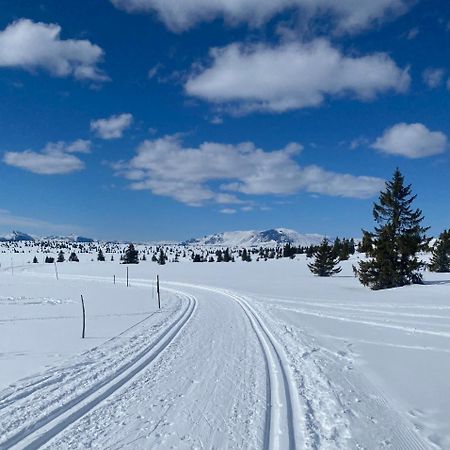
(433, 77)
(221, 173)
(56, 158)
(413, 140)
(112, 127)
(248, 77)
(345, 15)
(35, 45)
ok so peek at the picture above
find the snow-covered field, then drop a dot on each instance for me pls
(241, 355)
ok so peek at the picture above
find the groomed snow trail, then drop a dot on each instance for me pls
(215, 372)
(285, 424)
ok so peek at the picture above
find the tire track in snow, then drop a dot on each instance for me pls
(49, 426)
(284, 413)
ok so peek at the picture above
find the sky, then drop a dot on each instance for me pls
(164, 120)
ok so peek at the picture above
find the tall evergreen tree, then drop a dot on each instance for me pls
(60, 257)
(131, 255)
(397, 239)
(325, 263)
(440, 259)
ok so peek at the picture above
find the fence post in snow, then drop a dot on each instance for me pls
(127, 276)
(84, 318)
(157, 291)
(114, 279)
(56, 271)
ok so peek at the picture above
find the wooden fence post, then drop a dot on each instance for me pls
(84, 318)
(157, 291)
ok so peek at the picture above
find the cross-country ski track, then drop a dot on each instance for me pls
(213, 372)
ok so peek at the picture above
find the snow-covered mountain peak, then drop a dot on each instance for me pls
(254, 238)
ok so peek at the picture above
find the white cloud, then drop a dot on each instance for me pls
(413, 140)
(112, 127)
(220, 173)
(249, 78)
(433, 77)
(35, 45)
(227, 211)
(412, 33)
(9, 221)
(56, 158)
(345, 15)
(78, 146)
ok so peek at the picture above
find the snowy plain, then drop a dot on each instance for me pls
(241, 355)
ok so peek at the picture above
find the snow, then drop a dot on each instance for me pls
(252, 238)
(241, 355)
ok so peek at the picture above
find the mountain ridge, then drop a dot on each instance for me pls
(256, 238)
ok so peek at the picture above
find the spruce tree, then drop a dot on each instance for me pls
(162, 257)
(73, 257)
(325, 263)
(440, 259)
(131, 255)
(100, 255)
(396, 240)
(35, 260)
(366, 244)
(60, 257)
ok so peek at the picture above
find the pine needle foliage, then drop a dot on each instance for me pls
(397, 239)
(325, 263)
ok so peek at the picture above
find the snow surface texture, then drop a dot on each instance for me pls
(241, 355)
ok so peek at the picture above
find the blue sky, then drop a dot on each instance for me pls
(155, 119)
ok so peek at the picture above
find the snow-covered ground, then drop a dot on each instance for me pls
(241, 355)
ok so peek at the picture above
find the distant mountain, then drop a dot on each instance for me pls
(16, 236)
(272, 237)
(71, 238)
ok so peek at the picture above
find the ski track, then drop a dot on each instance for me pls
(304, 406)
(37, 433)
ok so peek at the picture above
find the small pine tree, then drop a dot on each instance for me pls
(366, 244)
(440, 259)
(35, 260)
(100, 255)
(131, 255)
(325, 263)
(60, 257)
(162, 257)
(396, 240)
(73, 257)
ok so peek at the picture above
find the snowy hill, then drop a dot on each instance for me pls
(16, 236)
(71, 238)
(252, 238)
